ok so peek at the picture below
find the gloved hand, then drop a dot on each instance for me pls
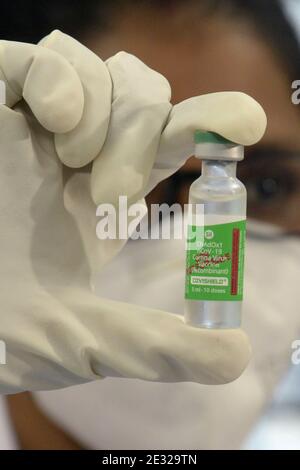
(65, 106)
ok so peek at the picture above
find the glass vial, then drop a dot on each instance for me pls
(215, 263)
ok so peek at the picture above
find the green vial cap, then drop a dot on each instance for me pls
(210, 138)
(212, 146)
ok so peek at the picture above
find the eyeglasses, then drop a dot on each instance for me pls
(272, 179)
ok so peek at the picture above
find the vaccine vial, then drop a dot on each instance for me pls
(215, 250)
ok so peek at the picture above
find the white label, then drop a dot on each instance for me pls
(209, 281)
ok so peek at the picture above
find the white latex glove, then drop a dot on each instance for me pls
(66, 105)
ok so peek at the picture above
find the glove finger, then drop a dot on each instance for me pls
(236, 116)
(141, 105)
(76, 337)
(141, 343)
(46, 81)
(82, 144)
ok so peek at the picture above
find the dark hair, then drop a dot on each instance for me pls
(30, 20)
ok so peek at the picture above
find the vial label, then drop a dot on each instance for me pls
(215, 265)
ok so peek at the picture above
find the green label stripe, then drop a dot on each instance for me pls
(215, 268)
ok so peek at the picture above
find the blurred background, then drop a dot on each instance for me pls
(201, 46)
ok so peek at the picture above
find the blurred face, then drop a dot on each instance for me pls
(218, 54)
